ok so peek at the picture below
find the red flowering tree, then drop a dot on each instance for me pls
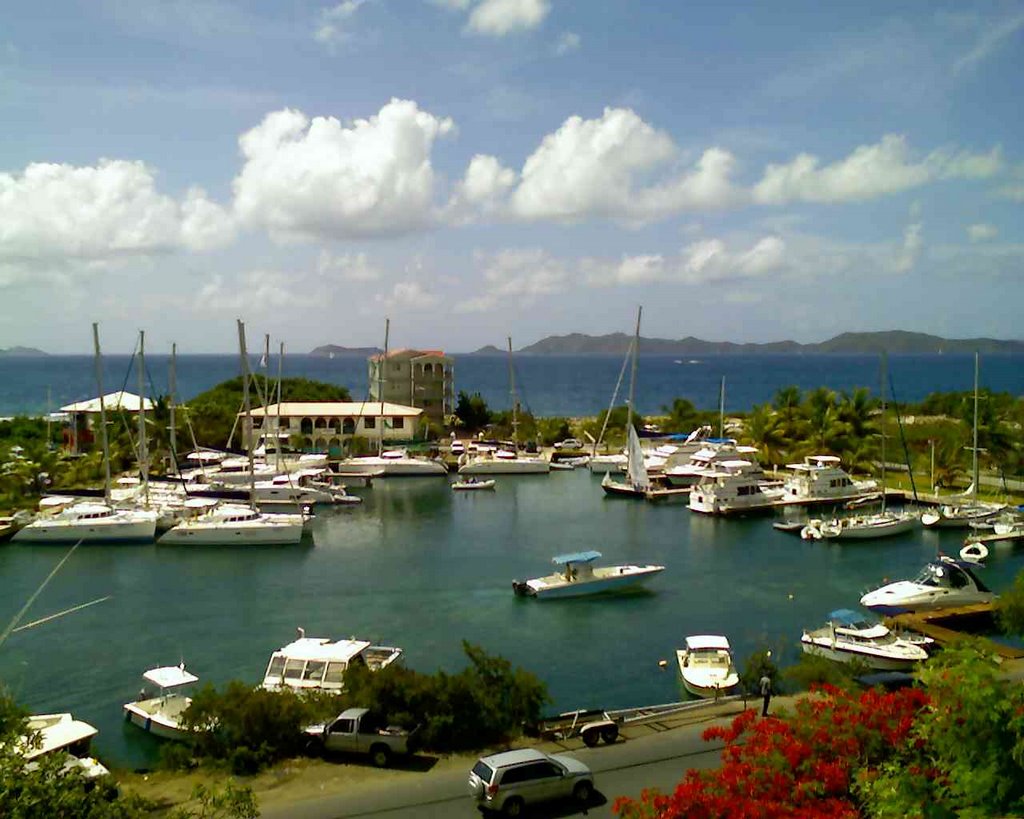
(803, 765)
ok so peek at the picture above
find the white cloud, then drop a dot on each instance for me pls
(452, 5)
(410, 295)
(910, 252)
(706, 260)
(331, 24)
(516, 276)
(496, 18)
(567, 43)
(871, 171)
(990, 39)
(482, 190)
(596, 167)
(59, 213)
(352, 267)
(1015, 193)
(321, 178)
(982, 232)
(255, 292)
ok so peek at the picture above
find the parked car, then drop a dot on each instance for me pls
(360, 731)
(569, 443)
(510, 781)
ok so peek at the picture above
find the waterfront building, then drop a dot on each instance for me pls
(415, 378)
(324, 425)
(83, 417)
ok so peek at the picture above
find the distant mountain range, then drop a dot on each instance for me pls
(334, 351)
(21, 351)
(891, 341)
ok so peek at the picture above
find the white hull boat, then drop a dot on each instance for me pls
(943, 583)
(710, 453)
(603, 464)
(849, 636)
(820, 479)
(318, 664)
(504, 462)
(91, 523)
(580, 577)
(706, 666)
(637, 482)
(394, 464)
(161, 715)
(950, 516)
(229, 524)
(733, 488)
(63, 734)
(860, 527)
(473, 485)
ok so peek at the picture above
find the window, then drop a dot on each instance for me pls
(276, 667)
(397, 423)
(293, 669)
(314, 670)
(484, 771)
(335, 673)
(369, 422)
(343, 726)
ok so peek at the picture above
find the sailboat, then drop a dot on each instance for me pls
(883, 523)
(92, 522)
(506, 461)
(637, 482)
(229, 523)
(390, 463)
(970, 511)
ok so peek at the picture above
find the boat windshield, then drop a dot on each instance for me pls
(933, 575)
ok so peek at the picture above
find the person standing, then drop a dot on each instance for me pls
(766, 693)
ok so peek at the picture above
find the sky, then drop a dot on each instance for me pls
(477, 169)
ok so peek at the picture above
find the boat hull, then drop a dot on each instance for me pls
(96, 532)
(499, 466)
(394, 467)
(608, 584)
(157, 724)
(235, 534)
(872, 660)
(705, 691)
(866, 532)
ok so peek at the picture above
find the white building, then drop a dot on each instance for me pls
(325, 425)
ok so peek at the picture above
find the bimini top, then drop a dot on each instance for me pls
(576, 557)
(322, 648)
(707, 641)
(848, 617)
(170, 676)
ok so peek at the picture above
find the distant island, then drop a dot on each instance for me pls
(891, 341)
(334, 351)
(21, 351)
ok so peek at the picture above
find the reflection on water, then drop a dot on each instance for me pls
(422, 567)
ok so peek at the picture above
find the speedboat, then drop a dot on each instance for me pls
(733, 487)
(229, 523)
(849, 636)
(820, 479)
(161, 715)
(578, 576)
(943, 583)
(706, 666)
(319, 664)
(471, 484)
(91, 522)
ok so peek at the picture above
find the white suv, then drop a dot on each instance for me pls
(507, 782)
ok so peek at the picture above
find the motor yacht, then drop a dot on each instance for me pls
(733, 487)
(820, 479)
(849, 636)
(319, 664)
(712, 452)
(62, 734)
(578, 576)
(706, 666)
(942, 583)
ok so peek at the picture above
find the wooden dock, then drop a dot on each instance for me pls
(939, 626)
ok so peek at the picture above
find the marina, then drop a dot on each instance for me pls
(419, 566)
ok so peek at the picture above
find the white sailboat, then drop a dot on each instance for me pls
(505, 461)
(637, 482)
(93, 522)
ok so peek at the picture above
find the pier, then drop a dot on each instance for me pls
(938, 625)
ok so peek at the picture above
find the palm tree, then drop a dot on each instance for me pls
(762, 428)
(787, 403)
(827, 430)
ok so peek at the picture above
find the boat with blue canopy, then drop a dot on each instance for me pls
(577, 575)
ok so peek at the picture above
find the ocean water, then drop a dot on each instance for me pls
(547, 385)
(422, 567)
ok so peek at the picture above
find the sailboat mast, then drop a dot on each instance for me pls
(721, 409)
(277, 425)
(885, 362)
(380, 388)
(247, 428)
(103, 412)
(974, 448)
(512, 396)
(172, 385)
(632, 370)
(143, 446)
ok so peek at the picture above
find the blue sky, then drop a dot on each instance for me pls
(480, 168)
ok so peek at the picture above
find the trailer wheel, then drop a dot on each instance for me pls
(591, 736)
(610, 733)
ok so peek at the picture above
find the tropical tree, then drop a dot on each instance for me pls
(826, 429)
(683, 416)
(472, 412)
(787, 402)
(763, 428)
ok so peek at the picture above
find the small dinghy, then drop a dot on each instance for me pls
(471, 484)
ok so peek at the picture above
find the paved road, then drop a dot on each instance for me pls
(650, 756)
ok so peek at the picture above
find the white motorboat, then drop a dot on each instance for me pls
(849, 636)
(578, 576)
(233, 524)
(393, 463)
(319, 664)
(473, 485)
(943, 583)
(861, 527)
(62, 734)
(161, 715)
(303, 489)
(602, 464)
(637, 482)
(706, 666)
(733, 487)
(503, 462)
(91, 522)
(710, 453)
(821, 479)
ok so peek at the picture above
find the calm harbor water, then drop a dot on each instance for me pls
(548, 385)
(422, 567)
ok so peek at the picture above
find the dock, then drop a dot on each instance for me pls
(1016, 534)
(938, 625)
